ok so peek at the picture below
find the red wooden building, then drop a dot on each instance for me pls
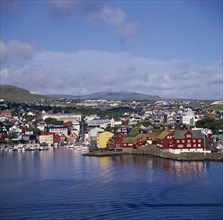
(183, 141)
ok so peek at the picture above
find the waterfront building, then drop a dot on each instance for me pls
(121, 142)
(102, 139)
(118, 142)
(46, 138)
(72, 138)
(92, 136)
(59, 129)
(183, 141)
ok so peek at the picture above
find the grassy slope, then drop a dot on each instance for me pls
(15, 94)
(218, 107)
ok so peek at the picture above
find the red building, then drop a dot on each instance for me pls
(72, 138)
(182, 141)
(2, 136)
(6, 114)
(120, 141)
(165, 140)
(117, 142)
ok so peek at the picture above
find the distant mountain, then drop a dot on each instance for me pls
(15, 94)
(61, 96)
(112, 96)
(120, 96)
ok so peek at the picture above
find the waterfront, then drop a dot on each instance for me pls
(63, 184)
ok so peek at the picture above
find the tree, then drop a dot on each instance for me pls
(210, 123)
(36, 131)
(53, 121)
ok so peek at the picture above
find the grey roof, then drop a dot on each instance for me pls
(197, 134)
(180, 134)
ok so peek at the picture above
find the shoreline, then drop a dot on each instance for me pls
(156, 152)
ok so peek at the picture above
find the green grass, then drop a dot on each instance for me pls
(15, 94)
(218, 107)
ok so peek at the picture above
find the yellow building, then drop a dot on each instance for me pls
(46, 139)
(102, 139)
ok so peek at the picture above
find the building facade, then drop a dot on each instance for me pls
(102, 139)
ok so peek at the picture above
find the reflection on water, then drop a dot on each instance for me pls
(180, 169)
(104, 163)
(50, 162)
(61, 182)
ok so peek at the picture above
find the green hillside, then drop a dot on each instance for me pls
(218, 107)
(15, 94)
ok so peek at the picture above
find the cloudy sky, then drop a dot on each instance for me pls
(76, 47)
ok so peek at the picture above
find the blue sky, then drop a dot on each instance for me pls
(165, 48)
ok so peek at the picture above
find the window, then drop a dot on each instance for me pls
(188, 145)
(194, 141)
(183, 141)
(188, 141)
(180, 145)
(178, 141)
(188, 135)
(199, 145)
(199, 140)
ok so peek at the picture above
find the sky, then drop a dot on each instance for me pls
(172, 49)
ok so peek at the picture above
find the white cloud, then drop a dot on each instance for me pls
(118, 19)
(14, 49)
(92, 71)
(95, 11)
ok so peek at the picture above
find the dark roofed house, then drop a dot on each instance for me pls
(164, 140)
(183, 141)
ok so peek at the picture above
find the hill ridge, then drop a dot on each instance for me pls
(111, 96)
(15, 94)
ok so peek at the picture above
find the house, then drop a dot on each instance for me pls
(149, 138)
(46, 138)
(59, 129)
(164, 140)
(189, 141)
(102, 123)
(6, 114)
(76, 126)
(72, 138)
(158, 119)
(121, 142)
(29, 137)
(63, 117)
(189, 118)
(59, 138)
(183, 141)
(122, 129)
(129, 142)
(92, 135)
(2, 136)
(118, 142)
(102, 139)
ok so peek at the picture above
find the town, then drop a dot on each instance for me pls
(173, 126)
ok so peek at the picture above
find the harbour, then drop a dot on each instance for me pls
(60, 183)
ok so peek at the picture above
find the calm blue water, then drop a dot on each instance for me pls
(63, 184)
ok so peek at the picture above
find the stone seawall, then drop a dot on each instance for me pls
(155, 151)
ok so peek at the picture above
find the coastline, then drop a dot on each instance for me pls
(156, 152)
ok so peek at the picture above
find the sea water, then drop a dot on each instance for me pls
(63, 184)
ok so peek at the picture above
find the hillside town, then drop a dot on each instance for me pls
(100, 125)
